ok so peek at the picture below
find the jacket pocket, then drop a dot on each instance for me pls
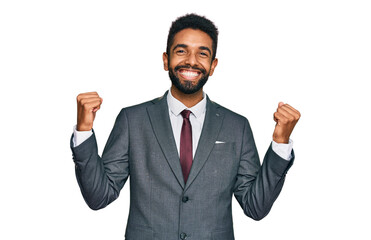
(224, 147)
(138, 233)
(223, 235)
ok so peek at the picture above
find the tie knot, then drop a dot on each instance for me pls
(185, 113)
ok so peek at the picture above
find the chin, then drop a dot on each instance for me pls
(188, 86)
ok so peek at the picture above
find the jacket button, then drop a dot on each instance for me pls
(183, 236)
(185, 199)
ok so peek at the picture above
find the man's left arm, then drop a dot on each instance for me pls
(283, 150)
(257, 187)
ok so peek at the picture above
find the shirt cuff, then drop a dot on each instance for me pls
(283, 150)
(80, 136)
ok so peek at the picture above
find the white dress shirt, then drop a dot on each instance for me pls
(196, 118)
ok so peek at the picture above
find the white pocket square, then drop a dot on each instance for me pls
(219, 142)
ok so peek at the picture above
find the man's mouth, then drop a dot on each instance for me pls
(189, 74)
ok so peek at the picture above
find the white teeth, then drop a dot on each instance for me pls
(189, 73)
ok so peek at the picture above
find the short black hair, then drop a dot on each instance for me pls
(196, 22)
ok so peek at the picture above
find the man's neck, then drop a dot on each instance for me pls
(189, 100)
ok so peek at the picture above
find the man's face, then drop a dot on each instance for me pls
(189, 63)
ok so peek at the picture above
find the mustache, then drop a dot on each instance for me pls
(203, 71)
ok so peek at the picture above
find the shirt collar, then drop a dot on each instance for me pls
(176, 106)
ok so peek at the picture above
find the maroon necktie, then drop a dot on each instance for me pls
(186, 145)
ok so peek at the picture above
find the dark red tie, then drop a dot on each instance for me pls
(186, 145)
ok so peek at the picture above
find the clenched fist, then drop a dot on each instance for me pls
(286, 118)
(87, 105)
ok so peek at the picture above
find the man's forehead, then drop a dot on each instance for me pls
(192, 37)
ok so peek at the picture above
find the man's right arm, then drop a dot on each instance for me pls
(80, 136)
(101, 178)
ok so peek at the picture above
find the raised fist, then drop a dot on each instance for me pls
(286, 118)
(87, 105)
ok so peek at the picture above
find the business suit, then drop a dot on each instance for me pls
(162, 206)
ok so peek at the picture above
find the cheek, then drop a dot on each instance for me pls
(173, 62)
(207, 66)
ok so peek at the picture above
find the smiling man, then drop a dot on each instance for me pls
(186, 155)
(192, 62)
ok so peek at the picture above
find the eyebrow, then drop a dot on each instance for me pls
(180, 45)
(185, 46)
(205, 48)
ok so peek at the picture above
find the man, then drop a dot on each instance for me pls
(185, 154)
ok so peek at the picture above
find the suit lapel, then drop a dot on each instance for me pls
(160, 120)
(210, 131)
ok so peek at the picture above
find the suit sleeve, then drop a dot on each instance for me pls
(101, 178)
(258, 186)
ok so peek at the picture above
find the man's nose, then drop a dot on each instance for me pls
(191, 60)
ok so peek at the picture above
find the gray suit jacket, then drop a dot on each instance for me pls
(162, 206)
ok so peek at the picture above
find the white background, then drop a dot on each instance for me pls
(314, 55)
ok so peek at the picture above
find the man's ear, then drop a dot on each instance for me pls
(165, 59)
(213, 66)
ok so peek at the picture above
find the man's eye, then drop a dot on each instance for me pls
(203, 54)
(180, 51)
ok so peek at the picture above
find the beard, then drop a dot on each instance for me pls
(187, 87)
